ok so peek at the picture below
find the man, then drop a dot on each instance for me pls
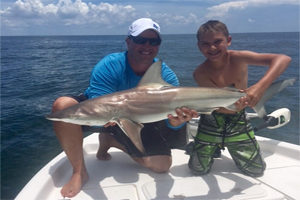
(116, 72)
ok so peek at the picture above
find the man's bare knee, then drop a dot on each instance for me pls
(159, 164)
(62, 103)
(160, 169)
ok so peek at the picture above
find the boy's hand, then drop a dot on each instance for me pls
(254, 94)
(241, 103)
(183, 115)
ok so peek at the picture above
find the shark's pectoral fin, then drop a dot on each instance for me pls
(133, 132)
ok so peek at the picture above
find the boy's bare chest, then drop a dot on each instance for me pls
(221, 80)
(227, 78)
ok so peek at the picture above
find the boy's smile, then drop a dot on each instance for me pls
(214, 45)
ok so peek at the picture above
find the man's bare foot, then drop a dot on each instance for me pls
(73, 187)
(103, 156)
(105, 141)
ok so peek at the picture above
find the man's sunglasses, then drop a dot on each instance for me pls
(143, 40)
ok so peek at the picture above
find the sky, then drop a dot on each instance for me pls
(112, 17)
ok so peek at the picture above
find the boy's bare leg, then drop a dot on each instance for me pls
(70, 137)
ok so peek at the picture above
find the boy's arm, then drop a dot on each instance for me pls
(277, 63)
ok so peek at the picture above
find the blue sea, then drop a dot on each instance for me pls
(36, 70)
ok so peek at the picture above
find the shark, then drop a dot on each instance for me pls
(152, 100)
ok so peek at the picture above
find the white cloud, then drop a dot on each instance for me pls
(223, 9)
(251, 20)
(67, 12)
(29, 13)
(67, 8)
(32, 8)
(87, 17)
(174, 19)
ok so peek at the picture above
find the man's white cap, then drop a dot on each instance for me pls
(142, 24)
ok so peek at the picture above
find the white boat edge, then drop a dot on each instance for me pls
(122, 178)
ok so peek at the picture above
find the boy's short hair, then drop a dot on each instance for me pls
(212, 26)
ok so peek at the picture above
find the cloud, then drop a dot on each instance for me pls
(223, 9)
(83, 15)
(174, 19)
(88, 17)
(251, 20)
(67, 12)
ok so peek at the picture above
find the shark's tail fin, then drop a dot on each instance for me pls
(270, 92)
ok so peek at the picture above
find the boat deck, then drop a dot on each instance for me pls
(122, 178)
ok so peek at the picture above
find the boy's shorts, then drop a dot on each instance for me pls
(157, 138)
(231, 131)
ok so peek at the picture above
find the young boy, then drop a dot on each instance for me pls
(229, 68)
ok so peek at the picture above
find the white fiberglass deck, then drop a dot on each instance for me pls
(122, 178)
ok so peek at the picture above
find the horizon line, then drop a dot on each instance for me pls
(55, 35)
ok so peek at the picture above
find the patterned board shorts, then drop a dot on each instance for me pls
(226, 130)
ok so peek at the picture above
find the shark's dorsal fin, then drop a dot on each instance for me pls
(153, 76)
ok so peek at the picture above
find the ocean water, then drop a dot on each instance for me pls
(37, 70)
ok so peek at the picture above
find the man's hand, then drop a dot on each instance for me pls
(184, 114)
